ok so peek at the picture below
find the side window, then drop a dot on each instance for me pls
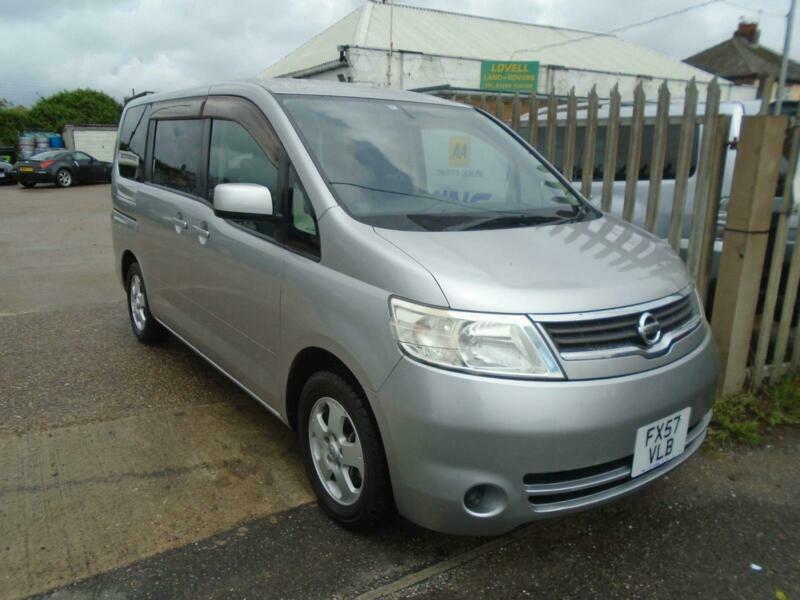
(176, 154)
(132, 140)
(302, 234)
(235, 157)
(82, 157)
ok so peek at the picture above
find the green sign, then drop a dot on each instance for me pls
(509, 76)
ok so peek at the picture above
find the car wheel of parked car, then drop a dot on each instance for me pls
(343, 453)
(63, 178)
(27, 184)
(146, 329)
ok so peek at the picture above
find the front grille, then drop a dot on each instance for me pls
(568, 490)
(619, 332)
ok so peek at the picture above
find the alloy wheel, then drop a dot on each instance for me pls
(64, 178)
(336, 451)
(138, 303)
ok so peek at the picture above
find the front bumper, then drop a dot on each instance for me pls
(551, 447)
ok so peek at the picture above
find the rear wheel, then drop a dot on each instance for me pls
(64, 178)
(343, 453)
(146, 329)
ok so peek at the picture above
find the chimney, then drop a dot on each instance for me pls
(748, 32)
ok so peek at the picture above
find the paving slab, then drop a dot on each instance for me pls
(694, 534)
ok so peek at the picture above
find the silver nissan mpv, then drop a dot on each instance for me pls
(452, 331)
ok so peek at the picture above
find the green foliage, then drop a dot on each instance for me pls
(744, 417)
(13, 119)
(76, 106)
(53, 112)
(736, 420)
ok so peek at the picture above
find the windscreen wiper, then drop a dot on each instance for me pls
(506, 220)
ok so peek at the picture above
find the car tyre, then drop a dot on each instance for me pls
(357, 497)
(146, 329)
(27, 184)
(64, 178)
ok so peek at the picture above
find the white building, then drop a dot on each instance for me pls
(99, 141)
(423, 49)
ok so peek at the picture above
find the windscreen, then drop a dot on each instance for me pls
(417, 166)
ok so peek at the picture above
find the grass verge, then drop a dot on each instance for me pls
(746, 417)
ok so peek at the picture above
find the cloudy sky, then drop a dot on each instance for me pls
(49, 45)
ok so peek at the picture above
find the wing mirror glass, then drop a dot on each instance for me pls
(248, 201)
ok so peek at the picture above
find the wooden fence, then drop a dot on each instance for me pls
(703, 177)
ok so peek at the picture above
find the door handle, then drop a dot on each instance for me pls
(179, 224)
(202, 232)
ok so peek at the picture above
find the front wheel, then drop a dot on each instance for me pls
(63, 178)
(343, 453)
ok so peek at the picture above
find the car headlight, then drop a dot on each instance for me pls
(504, 345)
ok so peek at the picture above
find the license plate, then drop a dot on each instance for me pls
(2, 175)
(26, 169)
(660, 441)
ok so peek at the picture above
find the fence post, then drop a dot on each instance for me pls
(704, 185)
(745, 243)
(589, 144)
(793, 277)
(658, 155)
(515, 110)
(533, 120)
(720, 147)
(568, 164)
(684, 164)
(634, 153)
(610, 157)
(550, 138)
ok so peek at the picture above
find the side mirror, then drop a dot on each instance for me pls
(248, 201)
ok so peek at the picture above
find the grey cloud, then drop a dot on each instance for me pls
(166, 44)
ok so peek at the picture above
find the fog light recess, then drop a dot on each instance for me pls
(485, 500)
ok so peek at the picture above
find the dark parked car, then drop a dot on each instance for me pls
(62, 167)
(6, 172)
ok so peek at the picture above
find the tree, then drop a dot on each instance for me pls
(75, 106)
(53, 112)
(13, 119)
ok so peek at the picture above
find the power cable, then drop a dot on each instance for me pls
(673, 13)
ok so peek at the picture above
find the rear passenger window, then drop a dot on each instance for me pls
(235, 157)
(176, 154)
(132, 140)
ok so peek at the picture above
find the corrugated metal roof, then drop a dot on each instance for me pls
(437, 32)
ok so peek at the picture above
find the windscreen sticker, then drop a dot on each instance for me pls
(459, 154)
